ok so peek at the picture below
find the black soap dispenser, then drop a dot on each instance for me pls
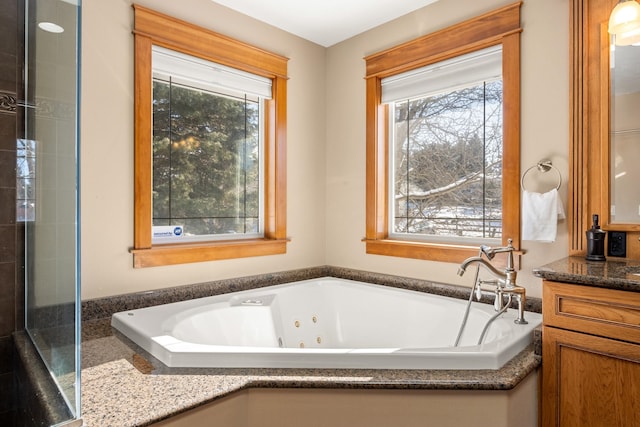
(595, 241)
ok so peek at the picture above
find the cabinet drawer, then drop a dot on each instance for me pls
(597, 311)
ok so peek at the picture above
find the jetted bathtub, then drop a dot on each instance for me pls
(326, 323)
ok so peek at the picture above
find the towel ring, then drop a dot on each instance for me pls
(542, 166)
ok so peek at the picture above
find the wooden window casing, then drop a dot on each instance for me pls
(501, 26)
(152, 28)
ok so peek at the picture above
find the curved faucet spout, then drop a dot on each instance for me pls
(479, 260)
(505, 285)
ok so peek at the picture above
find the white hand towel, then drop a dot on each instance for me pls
(540, 215)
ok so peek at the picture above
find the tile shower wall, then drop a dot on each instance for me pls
(11, 301)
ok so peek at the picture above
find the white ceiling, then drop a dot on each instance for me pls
(325, 22)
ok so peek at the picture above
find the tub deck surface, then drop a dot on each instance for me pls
(116, 393)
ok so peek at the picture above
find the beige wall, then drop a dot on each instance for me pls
(326, 139)
(107, 148)
(545, 126)
(371, 408)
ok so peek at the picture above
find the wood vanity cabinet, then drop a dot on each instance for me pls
(590, 356)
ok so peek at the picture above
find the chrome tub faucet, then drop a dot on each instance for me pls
(506, 279)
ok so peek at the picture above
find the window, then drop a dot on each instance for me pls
(443, 156)
(209, 145)
(26, 180)
(446, 149)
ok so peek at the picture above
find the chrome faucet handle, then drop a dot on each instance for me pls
(509, 270)
(510, 262)
(487, 251)
(490, 252)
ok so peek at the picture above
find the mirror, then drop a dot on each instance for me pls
(600, 148)
(624, 128)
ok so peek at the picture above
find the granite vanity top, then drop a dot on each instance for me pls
(614, 273)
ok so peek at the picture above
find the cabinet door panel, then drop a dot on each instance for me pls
(605, 312)
(589, 380)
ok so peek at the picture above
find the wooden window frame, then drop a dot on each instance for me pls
(153, 28)
(501, 26)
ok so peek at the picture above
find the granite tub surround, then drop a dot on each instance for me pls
(122, 385)
(115, 392)
(95, 311)
(104, 307)
(614, 273)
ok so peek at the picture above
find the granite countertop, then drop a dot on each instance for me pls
(121, 388)
(614, 273)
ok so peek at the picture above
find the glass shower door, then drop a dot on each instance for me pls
(48, 182)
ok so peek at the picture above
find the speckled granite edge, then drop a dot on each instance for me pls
(454, 291)
(504, 378)
(104, 307)
(101, 308)
(537, 341)
(614, 273)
